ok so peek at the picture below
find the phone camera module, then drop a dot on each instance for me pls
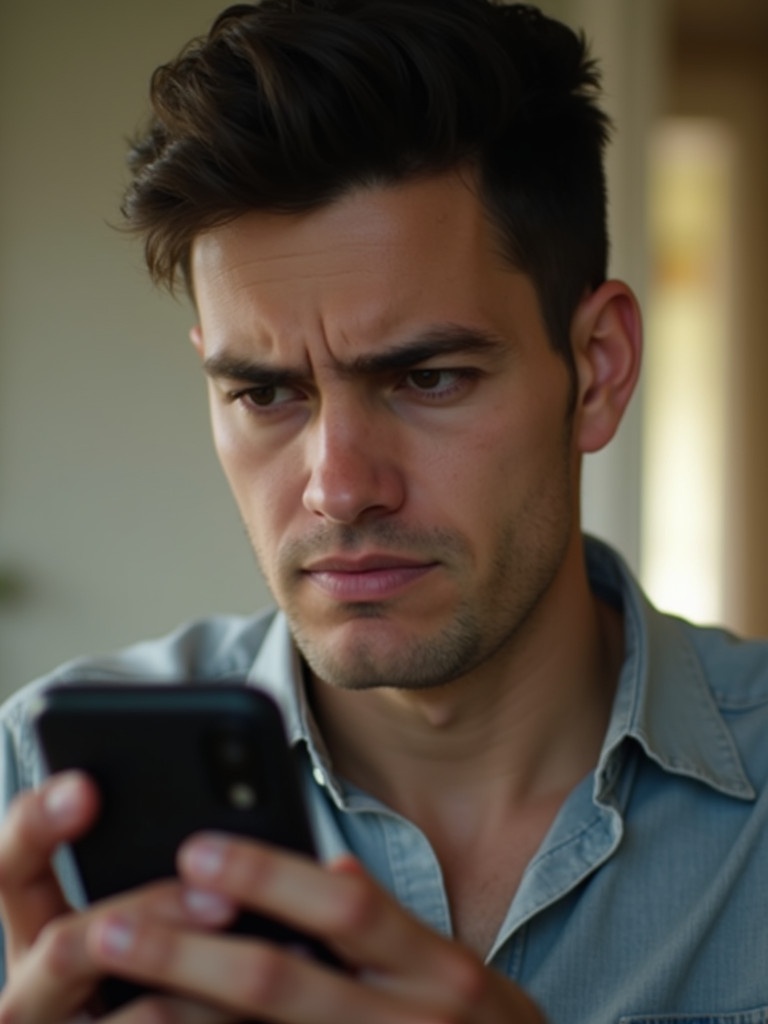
(232, 765)
(242, 796)
(233, 751)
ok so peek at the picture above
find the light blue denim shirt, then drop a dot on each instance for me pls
(648, 899)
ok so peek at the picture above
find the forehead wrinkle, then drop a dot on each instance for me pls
(265, 316)
(344, 257)
(237, 284)
(310, 274)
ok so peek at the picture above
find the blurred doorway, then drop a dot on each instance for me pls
(705, 546)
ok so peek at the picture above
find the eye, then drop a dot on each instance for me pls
(437, 382)
(265, 397)
(427, 380)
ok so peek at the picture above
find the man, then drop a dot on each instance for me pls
(536, 797)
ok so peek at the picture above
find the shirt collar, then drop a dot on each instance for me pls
(278, 669)
(663, 700)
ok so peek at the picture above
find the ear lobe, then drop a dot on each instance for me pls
(607, 344)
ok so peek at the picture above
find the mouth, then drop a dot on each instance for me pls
(371, 577)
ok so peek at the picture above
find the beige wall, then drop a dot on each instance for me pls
(112, 509)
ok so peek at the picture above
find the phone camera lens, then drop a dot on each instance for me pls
(233, 767)
(242, 796)
(233, 751)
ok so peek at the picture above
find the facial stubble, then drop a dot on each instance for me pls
(384, 648)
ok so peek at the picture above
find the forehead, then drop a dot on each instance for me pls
(368, 264)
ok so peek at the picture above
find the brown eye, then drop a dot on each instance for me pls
(262, 396)
(426, 380)
(266, 398)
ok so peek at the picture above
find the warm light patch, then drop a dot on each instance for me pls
(686, 368)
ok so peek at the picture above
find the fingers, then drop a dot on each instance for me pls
(161, 936)
(37, 822)
(167, 1010)
(245, 978)
(58, 975)
(248, 979)
(405, 971)
(344, 908)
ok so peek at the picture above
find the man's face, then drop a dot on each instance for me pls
(393, 423)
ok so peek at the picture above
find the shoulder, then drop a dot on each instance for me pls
(735, 668)
(734, 673)
(209, 649)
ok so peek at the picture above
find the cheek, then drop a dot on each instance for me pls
(520, 446)
(265, 484)
(232, 455)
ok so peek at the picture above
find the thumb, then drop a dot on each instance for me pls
(38, 821)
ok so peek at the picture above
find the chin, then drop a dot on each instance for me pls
(369, 657)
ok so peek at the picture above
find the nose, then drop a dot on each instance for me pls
(354, 471)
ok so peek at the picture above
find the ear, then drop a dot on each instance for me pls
(606, 335)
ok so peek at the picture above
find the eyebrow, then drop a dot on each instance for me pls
(437, 341)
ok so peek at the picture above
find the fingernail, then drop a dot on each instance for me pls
(116, 936)
(62, 800)
(203, 858)
(346, 864)
(208, 907)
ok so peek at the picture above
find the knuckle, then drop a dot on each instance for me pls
(356, 908)
(263, 981)
(156, 1010)
(56, 945)
(443, 1015)
(18, 831)
(156, 950)
(9, 1014)
(159, 900)
(469, 978)
(248, 869)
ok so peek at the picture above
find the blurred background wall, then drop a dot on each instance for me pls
(715, 109)
(115, 521)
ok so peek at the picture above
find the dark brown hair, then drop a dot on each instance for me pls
(288, 104)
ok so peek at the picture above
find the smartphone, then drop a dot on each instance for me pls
(170, 760)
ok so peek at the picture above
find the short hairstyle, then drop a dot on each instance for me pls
(286, 105)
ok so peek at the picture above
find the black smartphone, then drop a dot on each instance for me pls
(170, 760)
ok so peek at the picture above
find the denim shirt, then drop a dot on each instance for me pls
(648, 898)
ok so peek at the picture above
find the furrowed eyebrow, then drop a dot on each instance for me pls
(439, 341)
(247, 370)
(443, 340)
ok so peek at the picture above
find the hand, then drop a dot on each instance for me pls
(50, 973)
(37, 822)
(400, 971)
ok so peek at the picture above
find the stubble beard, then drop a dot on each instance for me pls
(529, 556)
(410, 664)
